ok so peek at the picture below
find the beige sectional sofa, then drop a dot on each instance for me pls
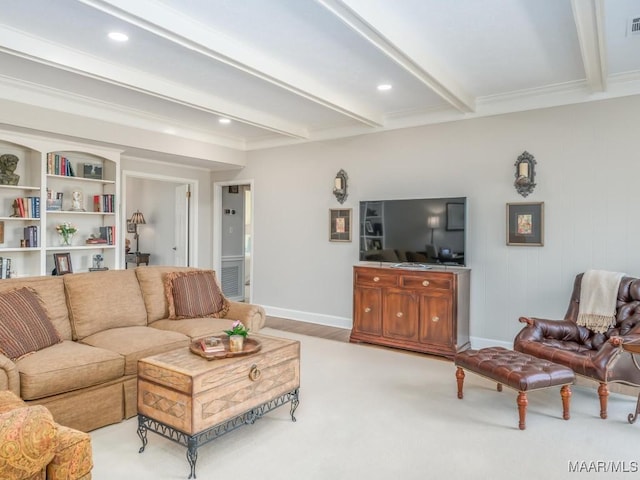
(108, 321)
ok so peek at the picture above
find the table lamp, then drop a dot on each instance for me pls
(137, 219)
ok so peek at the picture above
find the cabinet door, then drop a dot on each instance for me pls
(437, 319)
(400, 315)
(367, 311)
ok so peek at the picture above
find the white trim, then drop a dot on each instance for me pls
(317, 318)
(193, 221)
(216, 253)
(346, 323)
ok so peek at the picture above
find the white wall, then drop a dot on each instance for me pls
(588, 173)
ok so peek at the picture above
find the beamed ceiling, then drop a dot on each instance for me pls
(291, 71)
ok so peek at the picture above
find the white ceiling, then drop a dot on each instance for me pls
(288, 71)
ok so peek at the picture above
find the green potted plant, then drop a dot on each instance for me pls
(237, 334)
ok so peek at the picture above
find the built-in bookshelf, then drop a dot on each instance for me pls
(59, 183)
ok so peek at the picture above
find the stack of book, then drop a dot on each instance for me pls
(108, 233)
(31, 236)
(59, 165)
(212, 345)
(27, 207)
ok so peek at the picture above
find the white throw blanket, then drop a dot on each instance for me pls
(598, 294)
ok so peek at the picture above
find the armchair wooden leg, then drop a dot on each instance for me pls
(522, 409)
(565, 394)
(460, 379)
(603, 393)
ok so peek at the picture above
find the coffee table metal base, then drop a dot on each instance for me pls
(193, 442)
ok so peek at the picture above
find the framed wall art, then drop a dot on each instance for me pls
(62, 262)
(339, 224)
(525, 224)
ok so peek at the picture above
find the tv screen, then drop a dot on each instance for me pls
(427, 230)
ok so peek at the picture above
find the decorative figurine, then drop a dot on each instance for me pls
(8, 165)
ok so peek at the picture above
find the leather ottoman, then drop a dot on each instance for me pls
(516, 370)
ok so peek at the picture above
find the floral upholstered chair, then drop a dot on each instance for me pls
(34, 447)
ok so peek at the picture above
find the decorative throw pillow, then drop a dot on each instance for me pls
(25, 326)
(194, 294)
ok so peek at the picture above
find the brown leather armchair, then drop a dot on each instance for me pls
(597, 356)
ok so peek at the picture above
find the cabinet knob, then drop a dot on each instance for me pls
(367, 310)
(435, 319)
(376, 279)
(425, 283)
(399, 314)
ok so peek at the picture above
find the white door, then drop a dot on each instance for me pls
(181, 231)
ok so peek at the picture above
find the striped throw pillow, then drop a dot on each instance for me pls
(25, 326)
(194, 294)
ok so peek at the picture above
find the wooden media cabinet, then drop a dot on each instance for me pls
(418, 309)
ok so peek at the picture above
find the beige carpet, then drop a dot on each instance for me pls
(371, 413)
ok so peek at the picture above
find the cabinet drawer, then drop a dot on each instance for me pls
(427, 283)
(376, 278)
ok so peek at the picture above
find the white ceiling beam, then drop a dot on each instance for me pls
(372, 24)
(589, 19)
(35, 49)
(176, 27)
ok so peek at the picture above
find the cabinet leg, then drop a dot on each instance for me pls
(522, 409)
(565, 394)
(460, 380)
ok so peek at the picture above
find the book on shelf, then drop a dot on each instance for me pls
(5, 267)
(59, 165)
(108, 233)
(26, 207)
(104, 203)
(31, 236)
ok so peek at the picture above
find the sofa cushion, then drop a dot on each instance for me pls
(51, 292)
(194, 294)
(102, 300)
(151, 280)
(134, 343)
(195, 327)
(65, 367)
(24, 324)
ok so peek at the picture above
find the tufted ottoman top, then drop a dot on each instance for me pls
(517, 370)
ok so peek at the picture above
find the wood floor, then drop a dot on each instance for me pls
(311, 329)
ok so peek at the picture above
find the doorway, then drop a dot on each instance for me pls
(233, 238)
(170, 230)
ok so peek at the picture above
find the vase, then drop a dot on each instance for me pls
(65, 239)
(236, 343)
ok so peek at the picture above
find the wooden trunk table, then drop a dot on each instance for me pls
(192, 400)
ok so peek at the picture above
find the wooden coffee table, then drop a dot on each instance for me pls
(192, 401)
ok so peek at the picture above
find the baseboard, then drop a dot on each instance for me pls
(317, 318)
(343, 322)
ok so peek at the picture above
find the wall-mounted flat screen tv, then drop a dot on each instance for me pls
(426, 230)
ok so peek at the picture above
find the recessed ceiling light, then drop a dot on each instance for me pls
(384, 87)
(224, 121)
(118, 36)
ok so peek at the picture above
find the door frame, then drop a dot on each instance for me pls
(217, 227)
(193, 208)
